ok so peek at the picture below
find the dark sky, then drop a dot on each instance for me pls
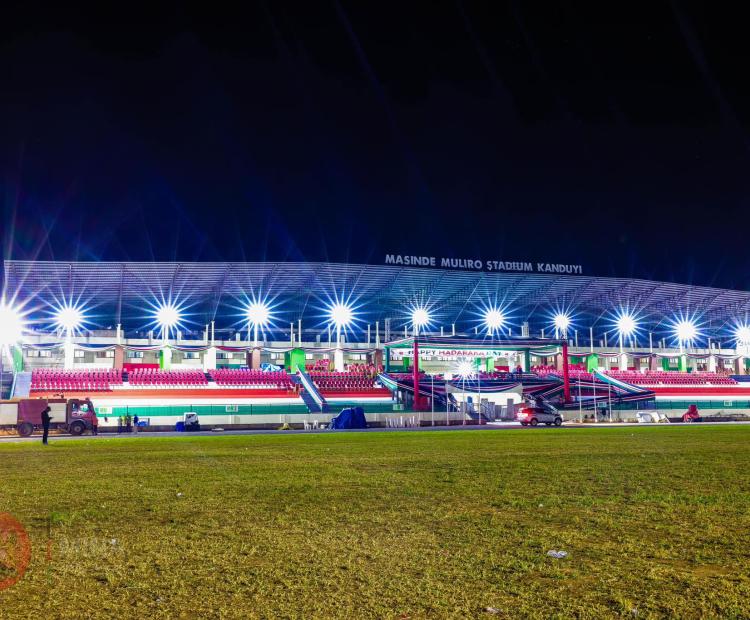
(612, 135)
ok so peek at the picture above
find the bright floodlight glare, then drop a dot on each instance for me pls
(626, 325)
(562, 322)
(258, 313)
(494, 319)
(11, 325)
(465, 369)
(685, 331)
(167, 316)
(742, 333)
(420, 317)
(69, 318)
(341, 315)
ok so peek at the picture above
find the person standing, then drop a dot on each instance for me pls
(119, 424)
(94, 424)
(128, 424)
(45, 424)
(135, 424)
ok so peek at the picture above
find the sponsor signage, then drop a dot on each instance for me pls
(477, 264)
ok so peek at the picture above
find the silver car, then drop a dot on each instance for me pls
(533, 416)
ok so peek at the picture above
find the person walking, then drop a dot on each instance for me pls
(46, 417)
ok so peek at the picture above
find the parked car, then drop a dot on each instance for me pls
(533, 416)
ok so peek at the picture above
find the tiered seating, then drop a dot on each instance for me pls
(242, 377)
(666, 377)
(365, 370)
(543, 371)
(48, 380)
(331, 381)
(575, 371)
(318, 366)
(151, 377)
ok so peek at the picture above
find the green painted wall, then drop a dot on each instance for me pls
(17, 354)
(592, 362)
(294, 359)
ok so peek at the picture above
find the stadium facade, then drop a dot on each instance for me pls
(516, 325)
(456, 299)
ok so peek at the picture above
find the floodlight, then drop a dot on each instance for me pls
(685, 331)
(626, 325)
(167, 316)
(11, 325)
(742, 333)
(341, 315)
(465, 369)
(494, 319)
(68, 318)
(420, 317)
(258, 313)
(562, 322)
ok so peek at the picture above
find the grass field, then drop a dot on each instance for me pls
(656, 522)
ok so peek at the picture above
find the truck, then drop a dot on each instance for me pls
(74, 415)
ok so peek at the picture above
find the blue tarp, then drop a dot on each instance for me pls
(350, 418)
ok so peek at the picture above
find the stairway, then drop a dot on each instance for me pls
(309, 393)
(22, 385)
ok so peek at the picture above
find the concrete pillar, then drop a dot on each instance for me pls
(623, 361)
(119, 358)
(712, 363)
(69, 351)
(209, 359)
(338, 360)
(254, 359)
(165, 358)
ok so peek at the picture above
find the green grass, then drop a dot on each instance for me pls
(386, 525)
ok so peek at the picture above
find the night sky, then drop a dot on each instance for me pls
(344, 131)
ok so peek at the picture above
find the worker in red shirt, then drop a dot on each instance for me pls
(94, 424)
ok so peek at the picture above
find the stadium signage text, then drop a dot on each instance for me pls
(480, 265)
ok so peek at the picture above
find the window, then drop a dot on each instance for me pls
(135, 354)
(192, 355)
(79, 354)
(105, 354)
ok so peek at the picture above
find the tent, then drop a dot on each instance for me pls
(353, 417)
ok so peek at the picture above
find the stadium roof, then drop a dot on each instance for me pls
(118, 293)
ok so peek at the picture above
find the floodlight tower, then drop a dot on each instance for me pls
(494, 320)
(561, 322)
(420, 318)
(167, 317)
(626, 325)
(742, 335)
(258, 315)
(341, 316)
(11, 333)
(69, 319)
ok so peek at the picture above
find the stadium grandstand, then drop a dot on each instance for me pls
(250, 342)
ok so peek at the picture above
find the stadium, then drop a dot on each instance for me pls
(257, 344)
